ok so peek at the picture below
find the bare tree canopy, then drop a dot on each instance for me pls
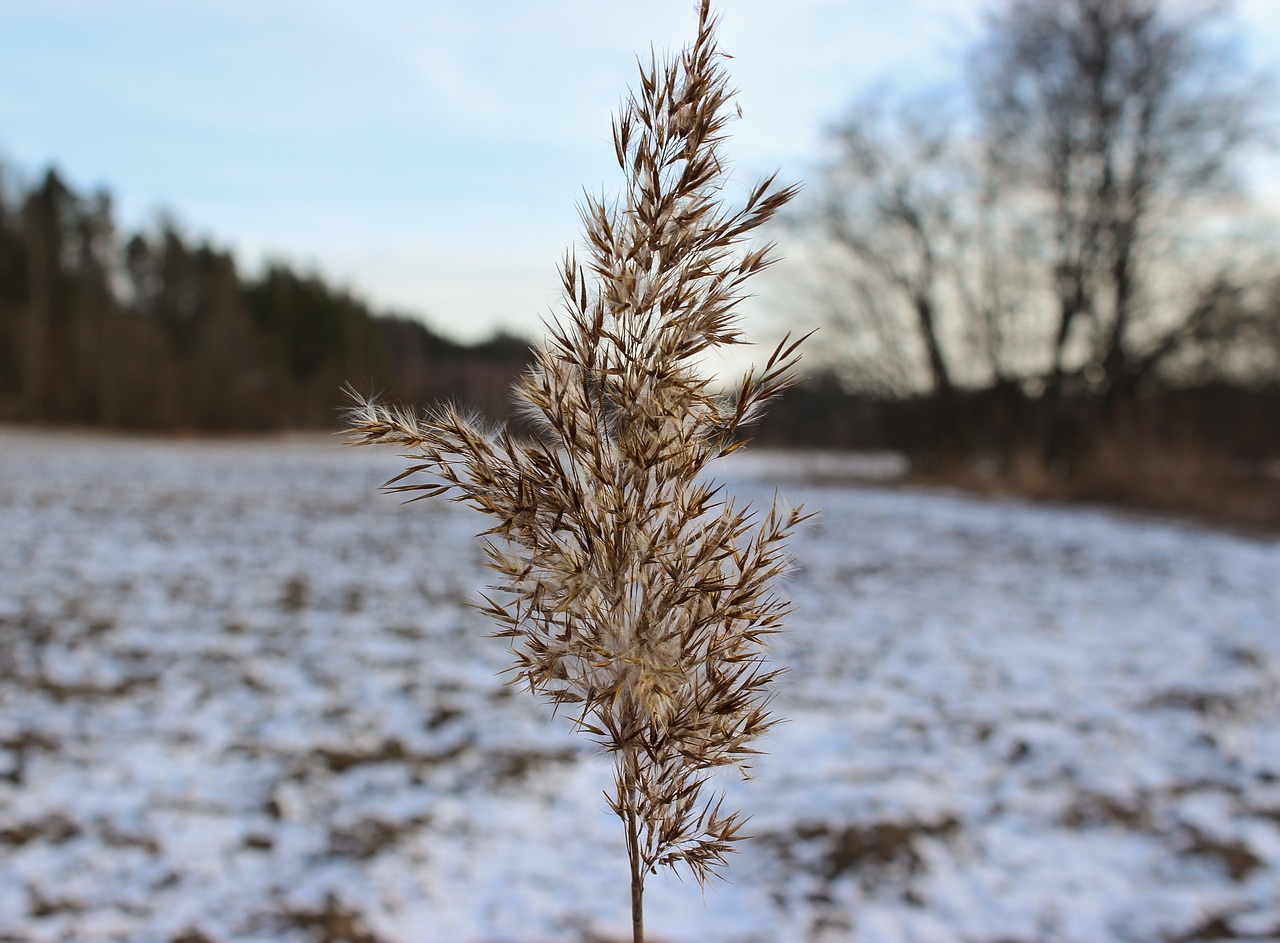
(1119, 118)
(1069, 227)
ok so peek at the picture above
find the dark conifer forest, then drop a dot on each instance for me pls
(154, 331)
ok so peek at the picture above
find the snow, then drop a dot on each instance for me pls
(243, 698)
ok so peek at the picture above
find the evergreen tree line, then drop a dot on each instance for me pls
(152, 331)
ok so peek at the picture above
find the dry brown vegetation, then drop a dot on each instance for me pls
(631, 591)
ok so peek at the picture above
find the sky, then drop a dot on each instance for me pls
(428, 154)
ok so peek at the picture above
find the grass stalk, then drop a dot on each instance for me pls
(637, 877)
(632, 592)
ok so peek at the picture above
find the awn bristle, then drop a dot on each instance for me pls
(632, 591)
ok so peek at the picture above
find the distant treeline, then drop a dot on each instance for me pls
(1208, 448)
(150, 331)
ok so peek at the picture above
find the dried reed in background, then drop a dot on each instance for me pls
(632, 592)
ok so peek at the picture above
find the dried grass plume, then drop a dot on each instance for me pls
(632, 592)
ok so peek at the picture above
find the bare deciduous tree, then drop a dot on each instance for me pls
(1119, 119)
(1064, 233)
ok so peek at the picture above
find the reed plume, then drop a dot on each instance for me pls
(632, 592)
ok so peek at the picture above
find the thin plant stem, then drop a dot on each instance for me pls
(637, 878)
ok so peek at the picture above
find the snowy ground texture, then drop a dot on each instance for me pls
(242, 698)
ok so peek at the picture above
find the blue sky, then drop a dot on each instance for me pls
(427, 154)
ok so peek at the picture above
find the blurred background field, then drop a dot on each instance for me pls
(242, 698)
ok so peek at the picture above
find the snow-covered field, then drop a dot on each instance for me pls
(242, 698)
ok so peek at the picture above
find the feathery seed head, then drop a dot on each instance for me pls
(628, 588)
